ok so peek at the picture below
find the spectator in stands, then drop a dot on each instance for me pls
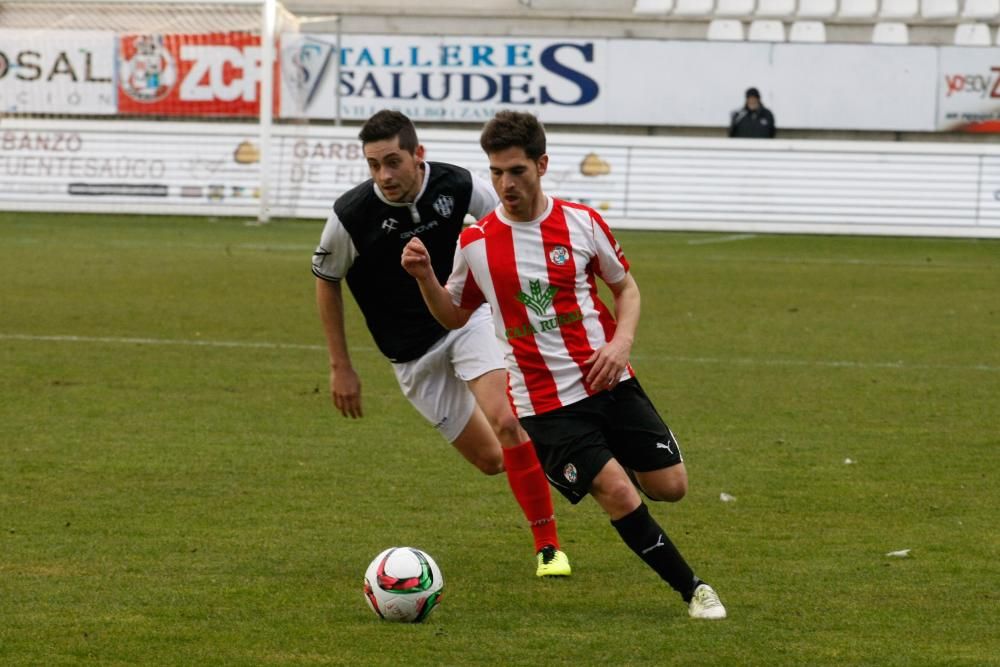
(754, 120)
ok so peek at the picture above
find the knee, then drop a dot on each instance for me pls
(670, 491)
(616, 495)
(507, 429)
(668, 485)
(489, 465)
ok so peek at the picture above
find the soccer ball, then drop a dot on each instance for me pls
(403, 584)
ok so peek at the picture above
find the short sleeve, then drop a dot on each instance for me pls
(611, 263)
(484, 198)
(461, 285)
(335, 253)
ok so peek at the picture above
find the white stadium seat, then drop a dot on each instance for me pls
(725, 30)
(694, 7)
(818, 8)
(972, 34)
(766, 30)
(777, 8)
(938, 9)
(652, 6)
(734, 7)
(981, 9)
(807, 31)
(890, 33)
(853, 9)
(898, 9)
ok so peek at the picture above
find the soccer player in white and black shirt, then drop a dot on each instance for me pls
(534, 260)
(455, 379)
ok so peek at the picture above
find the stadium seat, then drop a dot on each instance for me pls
(938, 9)
(734, 7)
(852, 9)
(972, 34)
(694, 7)
(898, 9)
(890, 33)
(818, 8)
(725, 30)
(652, 6)
(766, 30)
(807, 31)
(981, 9)
(776, 8)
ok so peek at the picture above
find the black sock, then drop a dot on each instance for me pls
(650, 543)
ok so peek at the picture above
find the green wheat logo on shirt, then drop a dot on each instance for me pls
(539, 300)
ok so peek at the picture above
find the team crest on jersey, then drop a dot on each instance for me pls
(389, 225)
(559, 255)
(569, 472)
(445, 205)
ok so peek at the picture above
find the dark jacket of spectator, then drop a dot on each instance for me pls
(754, 120)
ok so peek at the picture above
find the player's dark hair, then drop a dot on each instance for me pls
(387, 124)
(514, 129)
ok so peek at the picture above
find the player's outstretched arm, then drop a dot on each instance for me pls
(417, 262)
(609, 361)
(345, 385)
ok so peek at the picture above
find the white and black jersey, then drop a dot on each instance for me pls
(364, 238)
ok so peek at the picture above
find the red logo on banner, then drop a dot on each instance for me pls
(214, 74)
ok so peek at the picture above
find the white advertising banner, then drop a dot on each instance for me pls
(565, 80)
(635, 182)
(457, 79)
(969, 89)
(62, 72)
(129, 167)
(609, 81)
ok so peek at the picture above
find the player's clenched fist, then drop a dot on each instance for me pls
(416, 260)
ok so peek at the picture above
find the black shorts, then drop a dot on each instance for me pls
(576, 441)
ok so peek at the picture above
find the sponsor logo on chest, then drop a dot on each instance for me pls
(390, 225)
(540, 300)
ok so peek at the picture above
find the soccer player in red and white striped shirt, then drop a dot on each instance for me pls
(535, 259)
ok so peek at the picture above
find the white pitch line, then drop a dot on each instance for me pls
(851, 261)
(897, 365)
(224, 247)
(161, 341)
(722, 239)
(741, 361)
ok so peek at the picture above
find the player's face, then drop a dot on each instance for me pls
(517, 180)
(753, 103)
(396, 171)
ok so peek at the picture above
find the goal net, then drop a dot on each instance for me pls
(145, 65)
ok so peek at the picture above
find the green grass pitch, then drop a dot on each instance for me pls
(176, 488)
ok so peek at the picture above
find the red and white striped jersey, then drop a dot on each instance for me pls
(539, 279)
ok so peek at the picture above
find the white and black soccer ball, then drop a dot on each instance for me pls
(403, 584)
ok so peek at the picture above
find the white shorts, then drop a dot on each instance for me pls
(435, 383)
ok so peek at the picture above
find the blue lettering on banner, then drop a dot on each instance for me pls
(508, 88)
(392, 74)
(387, 57)
(481, 55)
(588, 87)
(519, 55)
(451, 55)
(467, 83)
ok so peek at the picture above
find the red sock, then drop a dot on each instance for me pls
(531, 488)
